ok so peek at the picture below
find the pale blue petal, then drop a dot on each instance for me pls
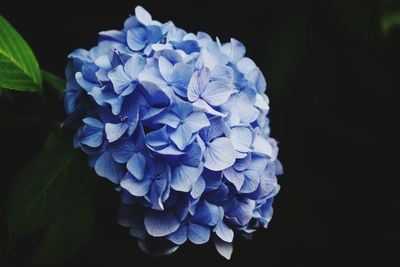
(106, 167)
(246, 65)
(122, 150)
(224, 232)
(142, 15)
(198, 234)
(194, 90)
(262, 146)
(216, 93)
(92, 137)
(168, 118)
(179, 236)
(159, 223)
(93, 122)
(119, 79)
(235, 50)
(219, 154)
(184, 177)
(196, 121)
(235, 177)
(134, 66)
(165, 68)
(136, 165)
(181, 74)
(222, 73)
(241, 138)
(251, 181)
(198, 188)
(201, 105)
(83, 83)
(225, 249)
(136, 38)
(181, 136)
(216, 129)
(115, 130)
(136, 187)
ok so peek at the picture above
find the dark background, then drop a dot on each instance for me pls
(333, 82)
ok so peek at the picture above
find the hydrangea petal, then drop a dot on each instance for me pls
(160, 223)
(219, 154)
(198, 234)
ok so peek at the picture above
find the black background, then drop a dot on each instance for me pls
(333, 82)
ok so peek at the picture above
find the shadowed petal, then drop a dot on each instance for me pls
(160, 223)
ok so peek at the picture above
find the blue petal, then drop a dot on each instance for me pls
(113, 35)
(198, 188)
(83, 83)
(134, 186)
(136, 165)
(168, 118)
(198, 234)
(242, 164)
(115, 130)
(165, 68)
(206, 214)
(225, 249)
(194, 90)
(119, 79)
(241, 138)
(154, 95)
(106, 167)
(179, 236)
(134, 66)
(122, 150)
(224, 232)
(196, 121)
(193, 155)
(184, 177)
(251, 181)
(136, 38)
(142, 15)
(217, 92)
(181, 136)
(93, 122)
(219, 154)
(181, 74)
(262, 146)
(158, 138)
(241, 212)
(92, 137)
(235, 50)
(235, 177)
(223, 74)
(159, 223)
(201, 105)
(245, 65)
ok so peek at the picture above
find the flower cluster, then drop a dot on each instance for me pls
(178, 122)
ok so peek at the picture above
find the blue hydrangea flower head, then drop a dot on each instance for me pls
(178, 122)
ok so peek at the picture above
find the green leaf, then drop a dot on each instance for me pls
(73, 227)
(54, 81)
(54, 191)
(389, 21)
(19, 69)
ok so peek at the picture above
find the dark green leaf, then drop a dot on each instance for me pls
(53, 190)
(19, 69)
(73, 227)
(54, 81)
(389, 21)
